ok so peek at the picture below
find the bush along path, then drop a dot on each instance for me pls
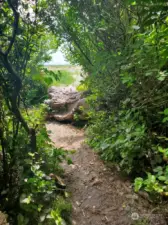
(100, 195)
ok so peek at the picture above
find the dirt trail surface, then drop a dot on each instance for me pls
(99, 195)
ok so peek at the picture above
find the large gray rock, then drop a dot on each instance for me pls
(64, 102)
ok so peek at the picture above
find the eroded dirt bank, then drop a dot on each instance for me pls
(99, 195)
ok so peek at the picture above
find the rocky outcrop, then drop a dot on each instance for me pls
(64, 102)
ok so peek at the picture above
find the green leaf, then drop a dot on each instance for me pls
(158, 169)
(138, 184)
(25, 200)
(48, 80)
(31, 154)
(165, 120)
(42, 218)
(104, 146)
(69, 161)
(151, 178)
(166, 111)
(133, 3)
(135, 27)
(162, 178)
(158, 188)
(160, 149)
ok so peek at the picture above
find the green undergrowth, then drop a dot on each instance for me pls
(44, 197)
(39, 195)
(127, 83)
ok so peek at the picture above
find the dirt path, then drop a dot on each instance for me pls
(99, 195)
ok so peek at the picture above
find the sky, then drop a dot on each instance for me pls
(57, 59)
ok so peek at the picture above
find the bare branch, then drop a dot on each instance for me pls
(15, 27)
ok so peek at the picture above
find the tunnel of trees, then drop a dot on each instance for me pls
(122, 46)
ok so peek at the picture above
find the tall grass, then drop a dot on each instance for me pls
(66, 78)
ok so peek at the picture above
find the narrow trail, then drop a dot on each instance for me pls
(99, 195)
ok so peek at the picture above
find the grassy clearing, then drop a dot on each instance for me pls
(66, 78)
(69, 74)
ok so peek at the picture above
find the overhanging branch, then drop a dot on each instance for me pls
(15, 27)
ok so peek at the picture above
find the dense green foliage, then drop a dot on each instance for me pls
(122, 46)
(30, 191)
